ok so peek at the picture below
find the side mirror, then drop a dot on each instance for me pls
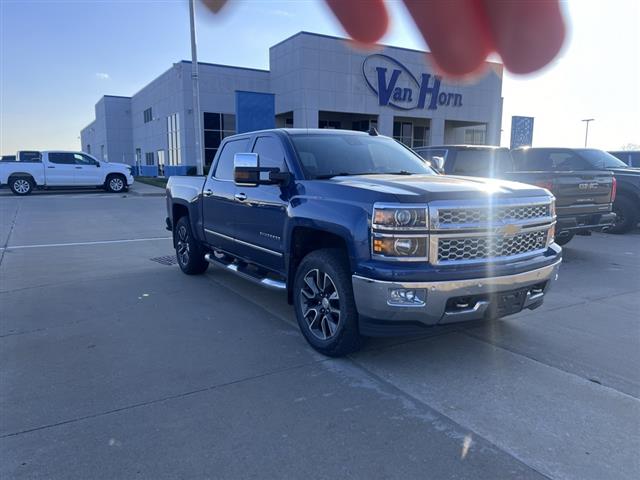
(438, 164)
(97, 164)
(246, 169)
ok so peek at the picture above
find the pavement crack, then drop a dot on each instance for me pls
(13, 224)
(166, 398)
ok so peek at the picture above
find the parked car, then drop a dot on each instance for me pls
(62, 169)
(362, 235)
(627, 199)
(630, 157)
(583, 198)
(8, 158)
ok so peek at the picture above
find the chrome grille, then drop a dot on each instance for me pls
(497, 214)
(485, 247)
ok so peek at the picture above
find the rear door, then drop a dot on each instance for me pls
(218, 197)
(60, 169)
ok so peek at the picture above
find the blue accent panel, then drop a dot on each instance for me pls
(254, 111)
(147, 171)
(175, 170)
(521, 131)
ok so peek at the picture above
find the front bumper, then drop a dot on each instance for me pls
(130, 180)
(378, 316)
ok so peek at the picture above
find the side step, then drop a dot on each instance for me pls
(243, 271)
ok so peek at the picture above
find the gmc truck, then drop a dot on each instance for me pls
(362, 235)
(584, 197)
(51, 169)
(626, 204)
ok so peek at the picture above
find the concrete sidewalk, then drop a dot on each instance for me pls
(145, 190)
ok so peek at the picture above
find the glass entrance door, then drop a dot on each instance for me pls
(161, 161)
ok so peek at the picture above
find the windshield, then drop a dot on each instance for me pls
(602, 159)
(325, 156)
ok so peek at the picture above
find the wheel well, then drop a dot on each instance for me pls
(633, 196)
(177, 212)
(21, 175)
(305, 240)
(115, 174)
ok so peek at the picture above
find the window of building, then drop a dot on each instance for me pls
(224, 169)
(329, 124)
(89, 149)
(411, 135)
(474, 136)
(270, 153)
(149, 158)
(148, 115)
(102, 152)
(138, 156)
(173, 139)
(217, 126)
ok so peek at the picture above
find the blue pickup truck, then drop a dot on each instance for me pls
(365, 238)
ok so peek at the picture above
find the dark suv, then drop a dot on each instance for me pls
(630, 157)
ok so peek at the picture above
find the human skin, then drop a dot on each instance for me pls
(527, 34)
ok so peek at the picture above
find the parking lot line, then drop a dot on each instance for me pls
(77, 244)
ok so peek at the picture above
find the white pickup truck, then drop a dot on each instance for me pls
(62, 169)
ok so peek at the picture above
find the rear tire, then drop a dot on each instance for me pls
(21, 185)
(188, 251)
(563, 240)
(627, 215)
(116, 183)
(324, 303)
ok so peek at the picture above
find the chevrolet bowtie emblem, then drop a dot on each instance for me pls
(511, 229)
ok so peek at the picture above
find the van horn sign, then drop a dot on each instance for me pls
(397, 87)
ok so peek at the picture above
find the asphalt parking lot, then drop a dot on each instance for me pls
(115, 365)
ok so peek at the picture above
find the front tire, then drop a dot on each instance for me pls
(564, 239)
(188, 251)
(21, 185)
(116, 183)
(626, 215)
(324, 303)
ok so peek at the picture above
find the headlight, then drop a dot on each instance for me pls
(398, 217)
(551, 235)
(552, 207)
(400, 247)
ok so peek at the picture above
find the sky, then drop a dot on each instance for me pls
(57, 58)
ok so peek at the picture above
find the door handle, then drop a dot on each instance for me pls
(78, 168)
(208, 192)
(51, 166)
(241, 197)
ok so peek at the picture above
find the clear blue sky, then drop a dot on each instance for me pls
(59, 57)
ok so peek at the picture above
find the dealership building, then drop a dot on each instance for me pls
(313, 81)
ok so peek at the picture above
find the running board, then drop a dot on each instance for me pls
(241, 271)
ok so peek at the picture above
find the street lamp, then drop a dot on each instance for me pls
(586, 133)
(197, 116)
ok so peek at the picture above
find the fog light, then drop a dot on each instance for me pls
(407, 297)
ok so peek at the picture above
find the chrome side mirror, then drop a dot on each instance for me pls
(246, 169)
(438, 164)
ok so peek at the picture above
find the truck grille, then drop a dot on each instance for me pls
(487, 247)
(497, 214)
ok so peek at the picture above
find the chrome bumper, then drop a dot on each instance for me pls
(371, 296)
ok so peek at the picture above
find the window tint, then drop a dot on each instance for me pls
(548, 160)
(8, 158)
(62, 158)
(600, 159)
(482, 163)
(270, 153)
(30, 157)
(224, 168)
(83, 159)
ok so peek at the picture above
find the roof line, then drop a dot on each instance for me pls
(227, 66)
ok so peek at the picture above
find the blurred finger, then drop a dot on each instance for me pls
(365, 21)
(455, 31)
(527, 34)
(214, 5)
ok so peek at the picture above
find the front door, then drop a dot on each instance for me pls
(60, 169)
(87, 171)
(218, 198)
(261, 211)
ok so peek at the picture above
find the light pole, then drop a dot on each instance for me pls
(197, 116)
(586, 133)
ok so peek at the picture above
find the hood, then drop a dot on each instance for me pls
(439, 187)
(120, 166)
